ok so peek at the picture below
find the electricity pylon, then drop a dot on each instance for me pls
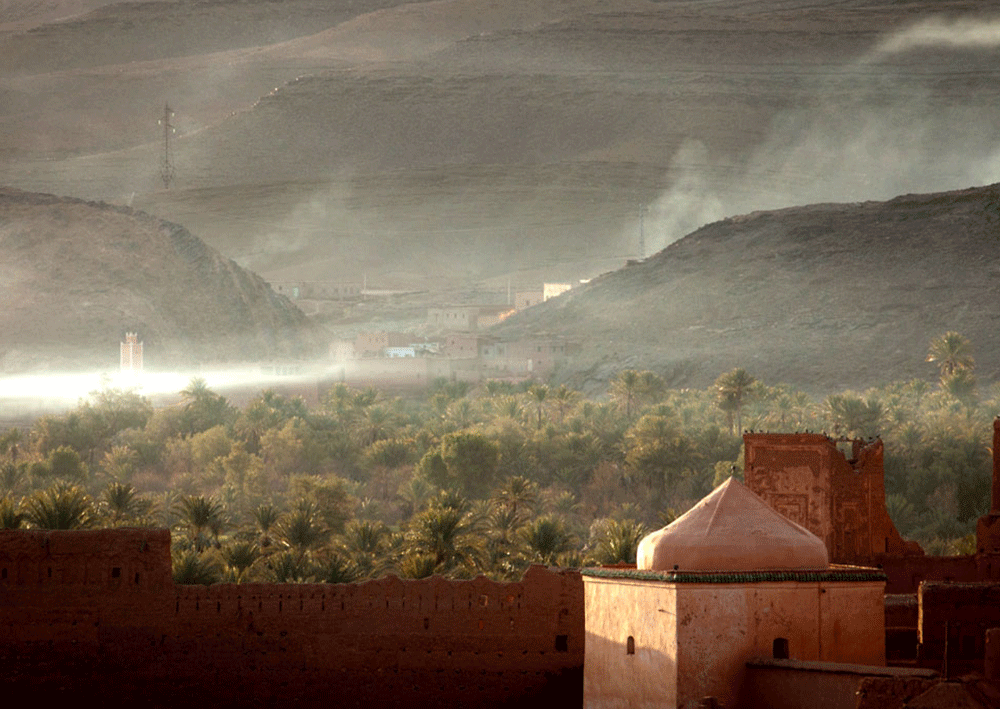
(167, 164)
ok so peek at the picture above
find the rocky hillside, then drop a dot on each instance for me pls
(75, 276)
(824, 297)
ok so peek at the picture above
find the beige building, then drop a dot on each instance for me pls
(729, 581)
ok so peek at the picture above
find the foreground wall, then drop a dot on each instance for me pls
(108, 622)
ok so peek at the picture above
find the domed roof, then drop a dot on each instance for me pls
(732, 530)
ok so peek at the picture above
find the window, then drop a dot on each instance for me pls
(562, 643)
(630, 646)
(779, 649)
(116, 572)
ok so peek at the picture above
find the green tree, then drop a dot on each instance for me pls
(199, 514)
(616, 541)
(951, 352)
(546, 538)
(193, 569)
(11, 514)
(121, 503)
(471, 460)
(733, 389)
(448, 534)
(62, 506)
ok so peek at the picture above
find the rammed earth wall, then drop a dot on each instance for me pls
(96, 613)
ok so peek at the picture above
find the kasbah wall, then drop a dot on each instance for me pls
(96, 614)
(950, 601)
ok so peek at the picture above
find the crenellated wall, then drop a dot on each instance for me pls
(109, 609)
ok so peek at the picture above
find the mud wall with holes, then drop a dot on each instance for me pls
(835, 489)
(97, 614)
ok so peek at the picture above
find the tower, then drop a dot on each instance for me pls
(131, 354)
(167, 163)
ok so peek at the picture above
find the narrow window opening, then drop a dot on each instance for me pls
(137, 579)
(50, 572)
(116, 572)
(779, 649)
(630, 646)
(562, 643)
(3, 574)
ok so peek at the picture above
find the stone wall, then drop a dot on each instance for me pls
(109, 623)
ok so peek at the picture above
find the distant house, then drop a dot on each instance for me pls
(527, 298)
(551, 290)
(467, 318)
(317, 290)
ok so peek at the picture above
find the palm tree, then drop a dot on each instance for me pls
(546, 538)
(517, 490)
(617, 541)
(624, 387)
(190, 568)
(121, 502)
(62, 506)
(9, 443)
(199, 513)
(240, 557)
(303, 529)
(266, 516)
(733, 389)
(449, 535)
(11, 514)
(539, 392)
(951, 352)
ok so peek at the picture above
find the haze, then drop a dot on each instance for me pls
(462, 147)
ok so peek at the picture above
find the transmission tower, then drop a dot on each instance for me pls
(167, 164)
(642, 232)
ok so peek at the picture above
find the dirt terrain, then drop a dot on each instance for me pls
(453, 145)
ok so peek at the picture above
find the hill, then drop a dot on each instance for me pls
(469, 139)
(77, 275)
(825, 297)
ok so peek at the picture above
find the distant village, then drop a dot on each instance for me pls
(452, 342)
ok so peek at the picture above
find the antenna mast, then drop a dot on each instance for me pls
(642, 232)
(167, 164)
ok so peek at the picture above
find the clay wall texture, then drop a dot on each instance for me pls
(391, 641)
(954, 618)
(842, 501)
(792, 684)
(691, 640)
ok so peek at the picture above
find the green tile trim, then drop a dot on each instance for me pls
(737, 576)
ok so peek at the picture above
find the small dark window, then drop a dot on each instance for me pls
(116, 572)
(137, 579)
(3, 574)
(779, 649)
(562, 643)
(50, 572)
(630, 646)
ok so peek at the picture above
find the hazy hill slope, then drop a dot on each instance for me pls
(75, 276)
(565, 117)
(823, 297)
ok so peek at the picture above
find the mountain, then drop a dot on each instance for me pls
(76, 276)
(462, 140)
(824, 297)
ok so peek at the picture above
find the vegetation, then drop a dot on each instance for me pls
(464, 481)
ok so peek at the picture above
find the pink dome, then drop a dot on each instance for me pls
(732, 530)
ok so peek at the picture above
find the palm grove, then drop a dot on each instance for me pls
(465, 481)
